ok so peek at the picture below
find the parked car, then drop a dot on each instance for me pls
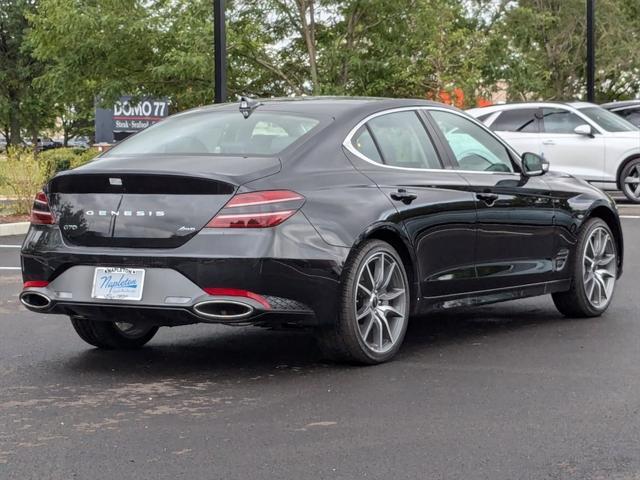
(43, 143)
(629, 110)
(47, 143)
(3, 143)
(582, 139)
(343, 215)
(79, 142)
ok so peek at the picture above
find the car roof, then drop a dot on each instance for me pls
(621, 104)
(509, 106)
(331, 106)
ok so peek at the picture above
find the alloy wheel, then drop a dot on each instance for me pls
(599, 267)
(380, 302)
(631, 182)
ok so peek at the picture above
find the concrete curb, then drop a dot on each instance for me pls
(19, 228)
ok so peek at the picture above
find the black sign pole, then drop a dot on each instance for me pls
(220, 48)
(591, 51)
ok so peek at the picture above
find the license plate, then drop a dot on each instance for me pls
(111, 283)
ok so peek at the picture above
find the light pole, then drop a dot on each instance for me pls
(220, 49)
(591, 51)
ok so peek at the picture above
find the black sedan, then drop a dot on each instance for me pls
(346, 216)
(629, 110)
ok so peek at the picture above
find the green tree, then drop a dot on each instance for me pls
(371, 47)
(539, 48)
(24, 106)
(163, 48)
(413, 48)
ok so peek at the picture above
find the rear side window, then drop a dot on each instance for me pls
(558, 120)
(363, 143)
(403, 141)
(219, 133)
(522, 120)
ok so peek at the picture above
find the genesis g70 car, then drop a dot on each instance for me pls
(343, 215)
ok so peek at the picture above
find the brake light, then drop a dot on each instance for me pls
(257, 209)
(40, 212)
(35, 284)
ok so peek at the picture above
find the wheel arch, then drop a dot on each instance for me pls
(623, 164)
(612, 220)
(395, 237)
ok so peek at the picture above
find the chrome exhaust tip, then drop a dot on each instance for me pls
(35, 300)
(228, 310)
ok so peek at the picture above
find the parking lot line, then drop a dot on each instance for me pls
(10, 246)
(9, 268)
(629, 216)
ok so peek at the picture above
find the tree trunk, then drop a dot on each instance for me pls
(350, 40)
(65, 134)
(309, 33)
(14, 119)
(34, 142)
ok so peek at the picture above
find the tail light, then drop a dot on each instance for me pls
(257, 209)
(40, 212)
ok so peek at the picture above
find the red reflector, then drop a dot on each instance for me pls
(35, 284)
(234, 292)
(250, 220)
(40, 212)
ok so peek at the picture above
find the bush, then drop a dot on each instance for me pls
(23, 176)
(58, 159)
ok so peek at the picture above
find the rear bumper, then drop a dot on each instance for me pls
(290, 266)
(169, 298)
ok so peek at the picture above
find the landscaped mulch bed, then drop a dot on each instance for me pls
(13, 218)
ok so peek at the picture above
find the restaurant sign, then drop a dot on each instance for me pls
(130, 116)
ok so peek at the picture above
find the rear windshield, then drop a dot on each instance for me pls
(211, 133)
(607, 120)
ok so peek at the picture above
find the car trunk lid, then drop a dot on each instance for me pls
(115, 204)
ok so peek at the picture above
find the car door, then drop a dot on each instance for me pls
(567, 151)
(515, 237)
(520, 127)
(434, 205)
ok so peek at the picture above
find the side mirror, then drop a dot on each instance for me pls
(585, 130)
(534, 165)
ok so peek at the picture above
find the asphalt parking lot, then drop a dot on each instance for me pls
(510, 391)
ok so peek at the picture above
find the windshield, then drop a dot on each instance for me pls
(607, 120)
(217, 132)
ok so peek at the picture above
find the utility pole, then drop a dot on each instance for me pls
(591, 51)
(220, 49)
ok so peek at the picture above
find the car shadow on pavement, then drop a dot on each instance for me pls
(470, 324)
(248, 351)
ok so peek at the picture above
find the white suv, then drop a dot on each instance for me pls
(579, 138)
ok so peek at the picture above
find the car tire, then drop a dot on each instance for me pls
(374, 307)
(627, 180)
(112, 335)
(594, 269)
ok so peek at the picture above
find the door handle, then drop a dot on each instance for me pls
(487, 198)
(548, 142)
(403, 196)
